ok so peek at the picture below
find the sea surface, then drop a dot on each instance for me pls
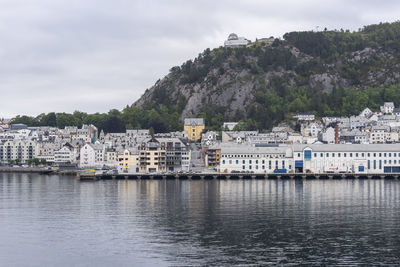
(58, 221)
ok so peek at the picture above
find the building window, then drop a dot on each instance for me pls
(237, 161)
(223, 161)
(384, 154)
(369, 154)
(356, 155)
(345, 155)
(298, 155)
(307, 154)
(322, 155)
(338, 154)
(315, 155)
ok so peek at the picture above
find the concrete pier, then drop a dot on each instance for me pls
(242, 176)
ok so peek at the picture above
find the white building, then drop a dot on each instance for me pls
(311, 129)
(246, 158)
(366, 113)
(305, 116)
(65, 155)
(357, 158)
(387, 107)
(91, 156)
(234, 40)
(383, 134)
(18, 150)
(328, 136)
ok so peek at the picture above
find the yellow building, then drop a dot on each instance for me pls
(152, 156)
(194, 127)
(128, 161)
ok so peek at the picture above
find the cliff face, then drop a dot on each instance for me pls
(241, 82)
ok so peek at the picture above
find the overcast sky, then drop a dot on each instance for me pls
(95, 55)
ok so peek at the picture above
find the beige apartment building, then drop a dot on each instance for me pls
(152, 156)
(128, 161)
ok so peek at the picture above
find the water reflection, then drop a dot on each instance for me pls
(217, 222)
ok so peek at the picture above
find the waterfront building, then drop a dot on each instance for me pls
(194, 128)
(152, 156)
(111, 157)
(128, 161)
(356, 158)
(265, 159)
(212, 156)
(177, 152)
(92, 155)
(18, 150)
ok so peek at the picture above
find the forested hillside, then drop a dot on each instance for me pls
(327, 72)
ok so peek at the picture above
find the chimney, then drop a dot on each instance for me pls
(337, 134)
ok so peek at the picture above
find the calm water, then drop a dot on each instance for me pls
(57, 221)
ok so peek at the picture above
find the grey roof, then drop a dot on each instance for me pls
(246, 149)
(194, 121)
(349, 147)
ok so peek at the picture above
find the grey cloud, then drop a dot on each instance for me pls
(94, 55)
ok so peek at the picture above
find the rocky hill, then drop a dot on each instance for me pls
(327, 72)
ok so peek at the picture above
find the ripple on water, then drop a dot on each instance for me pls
(57, 221)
